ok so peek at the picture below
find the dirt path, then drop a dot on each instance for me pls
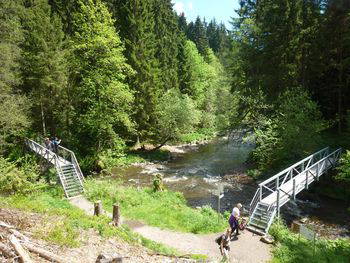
(246, 249)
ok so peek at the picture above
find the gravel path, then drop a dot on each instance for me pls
(246, 249)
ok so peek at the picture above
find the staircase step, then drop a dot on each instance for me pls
(259, 221)
(256, 230)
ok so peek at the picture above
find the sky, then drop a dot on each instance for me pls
(222, 10)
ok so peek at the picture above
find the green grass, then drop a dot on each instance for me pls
(162, 209)
(197, 136)
(65, 221)
(292, 248)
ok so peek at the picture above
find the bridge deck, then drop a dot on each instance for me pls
(50, 156)
(300, 180)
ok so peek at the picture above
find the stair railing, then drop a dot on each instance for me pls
(70, 156)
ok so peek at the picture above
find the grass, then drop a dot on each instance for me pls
(197, 136)
(292, 248)
(65, 222)
(162, 209)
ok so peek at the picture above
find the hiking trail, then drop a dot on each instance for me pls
(246, 249)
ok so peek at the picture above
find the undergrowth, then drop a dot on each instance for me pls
(292, 248)
(65, 221)
(162, 209)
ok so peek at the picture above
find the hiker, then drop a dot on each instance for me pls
(48, 144)
(55, 142)
(224, 243)
(233, 221)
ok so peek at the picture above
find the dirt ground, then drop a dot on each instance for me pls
(92, 243)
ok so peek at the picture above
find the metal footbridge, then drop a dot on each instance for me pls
(276, 191)
(66, 165)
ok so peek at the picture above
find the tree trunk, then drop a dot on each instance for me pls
(43, 117)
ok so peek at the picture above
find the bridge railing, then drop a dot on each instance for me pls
(310, 174)
(270, 185)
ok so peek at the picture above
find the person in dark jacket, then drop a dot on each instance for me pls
(55, 142)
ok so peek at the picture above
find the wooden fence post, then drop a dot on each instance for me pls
(116, 215)
(98, 208)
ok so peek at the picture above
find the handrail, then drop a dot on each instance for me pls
(74, 161)
(311, 167)
(293, 166)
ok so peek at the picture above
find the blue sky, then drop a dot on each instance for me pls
(222, 10)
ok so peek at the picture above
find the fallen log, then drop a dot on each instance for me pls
(19, 250)
(44, 253)
(7, 251)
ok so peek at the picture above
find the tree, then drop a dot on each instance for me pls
(136, 25)
(177, 115)
(102, 98)
(44, 66)
(13, 106)
(200, 38)
(167, 43)
(291, 133)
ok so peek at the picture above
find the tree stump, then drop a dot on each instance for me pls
(116, 215)
(98, 208)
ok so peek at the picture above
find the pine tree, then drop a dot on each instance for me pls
(136, 24)
(102, 99)
(182, 23)
(44, 66)
(200, 38)
(13, 106)
(167, 42)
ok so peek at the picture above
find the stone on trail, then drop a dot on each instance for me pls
(109, 258)
(267, 239)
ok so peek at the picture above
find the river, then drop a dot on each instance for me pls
(199, 173)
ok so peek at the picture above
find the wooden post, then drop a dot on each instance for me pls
(307, 179)
(294, 194)
(98, 208)
(116, 215)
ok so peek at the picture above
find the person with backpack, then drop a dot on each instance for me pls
(233, 221)
(55, 142)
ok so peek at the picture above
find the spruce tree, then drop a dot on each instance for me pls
(167, 42)
(136, 24)
(44, 66)
(101, 97)
(14, 107)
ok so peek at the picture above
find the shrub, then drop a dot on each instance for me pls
(294, 248)
(15, 179)
(344, 168)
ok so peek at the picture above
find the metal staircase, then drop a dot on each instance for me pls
(276, 191)
(66, 165)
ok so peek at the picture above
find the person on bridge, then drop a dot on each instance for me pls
(55, 142)
(48, 144)
(233, 221)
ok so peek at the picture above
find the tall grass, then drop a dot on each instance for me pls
(65, 222)
(292, 248)
(163, 209)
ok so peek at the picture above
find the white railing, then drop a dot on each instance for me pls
(271, 185)
(48, 155)
(70, 156)
(309, 175)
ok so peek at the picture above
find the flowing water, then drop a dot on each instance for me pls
(198, 174)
